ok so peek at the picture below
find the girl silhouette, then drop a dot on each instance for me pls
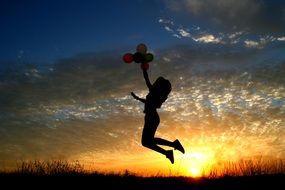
(158, 93)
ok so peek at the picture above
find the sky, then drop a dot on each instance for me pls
(65, 90)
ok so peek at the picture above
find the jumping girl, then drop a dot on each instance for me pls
(158, 93)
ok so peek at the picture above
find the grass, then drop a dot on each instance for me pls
(248, 168)
(245, 174)
(49, 168)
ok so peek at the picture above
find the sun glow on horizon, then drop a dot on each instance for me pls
(197, 163)
(195, 172)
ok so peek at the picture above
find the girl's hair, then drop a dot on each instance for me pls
(161, 87)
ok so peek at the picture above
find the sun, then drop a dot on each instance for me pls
(195, 172)
(196, 163)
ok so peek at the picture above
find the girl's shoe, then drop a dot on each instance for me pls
(169, 155)
(178, 146)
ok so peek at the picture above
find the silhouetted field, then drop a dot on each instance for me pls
(59, 174)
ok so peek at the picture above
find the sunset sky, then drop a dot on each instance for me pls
(65, 90)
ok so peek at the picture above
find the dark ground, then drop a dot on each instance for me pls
(128, 182)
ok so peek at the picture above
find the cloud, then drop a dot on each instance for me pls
(252, 44)
(227, 37)
(281, 38)
(263, 41)
(235, 35)
(249, 23)
(234, 38)
(83, 105)
(168, 29)
(166, 59)
(165, 21)
(92, 75)
(251, 15)
(176, 36)
(77, 78)
(208, 38)
(183, 32)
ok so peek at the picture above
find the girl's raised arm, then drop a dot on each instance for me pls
(145, 75)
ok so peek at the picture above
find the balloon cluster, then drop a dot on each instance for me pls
(141, 56)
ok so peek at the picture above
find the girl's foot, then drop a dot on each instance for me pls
(178, 146)
(169, 155)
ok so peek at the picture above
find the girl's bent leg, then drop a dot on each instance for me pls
(161, 141)
(175, 144)
(150, 143)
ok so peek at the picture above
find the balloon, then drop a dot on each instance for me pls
(138, 57)
(145, 66)
(141, 48)
(148, 57)
(128, 58)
